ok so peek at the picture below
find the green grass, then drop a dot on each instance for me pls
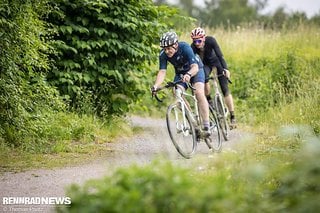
(255, 43)
(64, 138)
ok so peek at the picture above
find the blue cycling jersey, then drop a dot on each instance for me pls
(181, 60)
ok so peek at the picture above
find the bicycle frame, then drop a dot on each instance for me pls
(184, 122)
(181, 97)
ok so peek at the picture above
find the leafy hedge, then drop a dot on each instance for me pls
(24, 93)
(103, 49)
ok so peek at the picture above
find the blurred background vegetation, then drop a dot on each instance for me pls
(71, 71)
(233, 13)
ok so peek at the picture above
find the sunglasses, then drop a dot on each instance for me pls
(197, 41)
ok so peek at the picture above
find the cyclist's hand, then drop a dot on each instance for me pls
(153, 90)
(227, 73)
(186, 78)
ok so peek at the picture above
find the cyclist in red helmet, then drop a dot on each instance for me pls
(211, 55)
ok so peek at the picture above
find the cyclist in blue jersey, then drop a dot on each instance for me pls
(188, 67)
(211, 55)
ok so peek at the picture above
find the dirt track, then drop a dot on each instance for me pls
(153, 143)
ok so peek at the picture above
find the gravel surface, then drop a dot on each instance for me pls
(141, 149)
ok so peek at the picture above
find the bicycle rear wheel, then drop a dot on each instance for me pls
(222, 118)
(215, 137)
(181, 130)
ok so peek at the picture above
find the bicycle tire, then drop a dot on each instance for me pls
(222, 118)
(182, 135)
(215, 140)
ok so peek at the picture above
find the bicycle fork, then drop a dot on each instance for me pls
(181, 122)
(180, 126)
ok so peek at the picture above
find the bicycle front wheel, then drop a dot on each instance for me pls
(214, 141)
(181, 130)
(222, 118)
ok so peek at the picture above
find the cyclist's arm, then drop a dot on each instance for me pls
(194, 68)
(192, 72)
(160, 78)
(162, 69)
(219, 54)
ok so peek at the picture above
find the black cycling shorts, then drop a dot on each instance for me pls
(223, 81)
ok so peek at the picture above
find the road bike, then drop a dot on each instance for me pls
(184, 122)
(220, 108)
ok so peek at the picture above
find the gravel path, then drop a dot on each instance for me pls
(153, 143)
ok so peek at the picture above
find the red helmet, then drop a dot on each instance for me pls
(197, 33)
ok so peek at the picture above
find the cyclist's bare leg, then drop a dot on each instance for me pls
(202, 101)
(229, 102)
(207, 89)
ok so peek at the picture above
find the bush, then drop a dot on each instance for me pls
(24, 92)
(299, 187)
(103, 52)
(150, 189)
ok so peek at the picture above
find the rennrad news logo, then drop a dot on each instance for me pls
(36, 200)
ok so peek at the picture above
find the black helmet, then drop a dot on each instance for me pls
(168, 39)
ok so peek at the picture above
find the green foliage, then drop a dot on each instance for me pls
(102, 46)
(279, 81)
(22, 104)
(24, 92)
(274, 71)
(299, 188)
(135, 190)
(22, 32)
